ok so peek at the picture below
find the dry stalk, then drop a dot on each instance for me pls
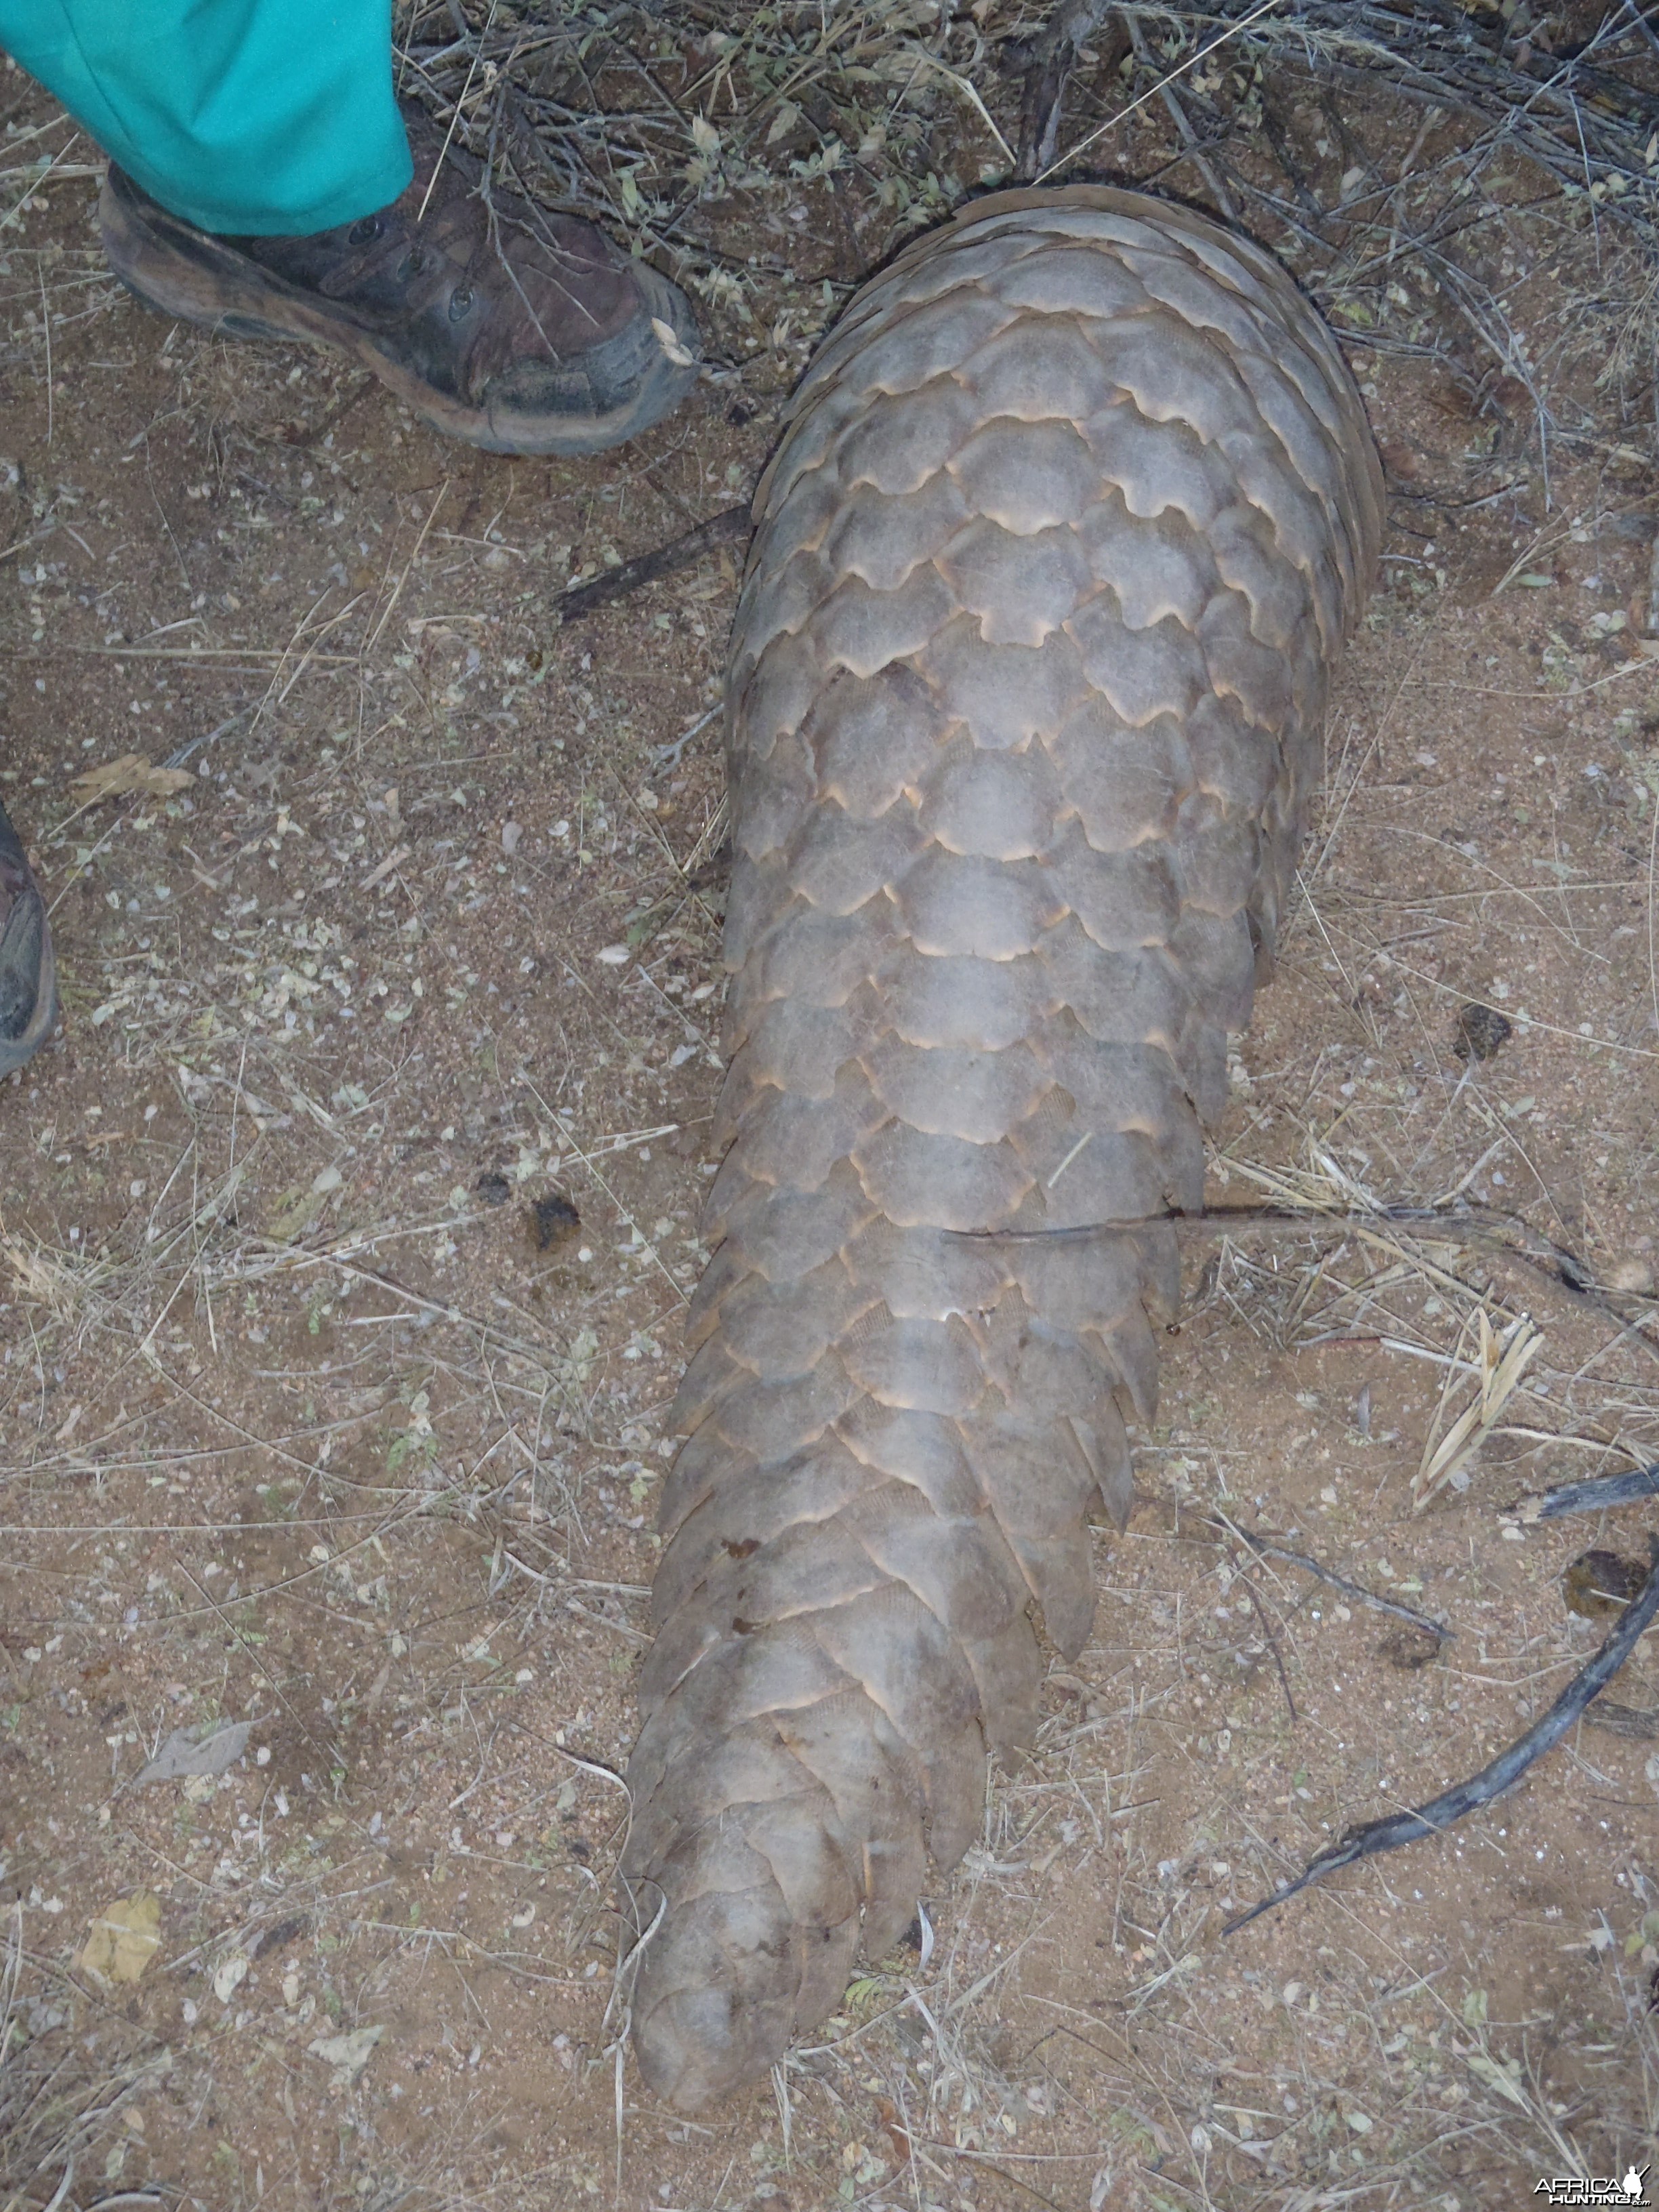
(1504, 1359)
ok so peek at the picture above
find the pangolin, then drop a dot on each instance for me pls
(1072, 514)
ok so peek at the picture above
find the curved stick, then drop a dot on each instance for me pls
(1504, 1771)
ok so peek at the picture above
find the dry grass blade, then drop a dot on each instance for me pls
(62, 2093)
(1504, 1360)
(53, 1283)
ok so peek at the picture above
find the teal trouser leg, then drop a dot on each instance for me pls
(265, 117)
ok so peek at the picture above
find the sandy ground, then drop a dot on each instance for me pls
(344, 1240)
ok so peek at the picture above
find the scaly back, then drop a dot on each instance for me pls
(1076, 508)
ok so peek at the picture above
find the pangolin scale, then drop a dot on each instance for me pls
(1074, 512)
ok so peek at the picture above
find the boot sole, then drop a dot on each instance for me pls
(177, 270)
(16, 1052)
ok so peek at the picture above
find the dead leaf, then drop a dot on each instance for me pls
(132, 772)
(895, 2129)
(229, 1975)
(347, 2054)
(182, 1754)
(123, 1940)
(395, 859)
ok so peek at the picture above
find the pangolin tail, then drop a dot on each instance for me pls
(1074, 513)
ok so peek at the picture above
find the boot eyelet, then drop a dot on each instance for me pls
(411, 264)
(460, 303)
(364, 232)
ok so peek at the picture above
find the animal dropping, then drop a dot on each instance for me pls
(1074, 512)
(551, 1222)
(1481, 1032)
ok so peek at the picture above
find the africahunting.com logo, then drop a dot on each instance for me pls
(1595, 2188)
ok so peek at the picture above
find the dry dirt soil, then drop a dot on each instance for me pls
(346, 1233)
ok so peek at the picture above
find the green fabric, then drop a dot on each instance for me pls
(262, 117)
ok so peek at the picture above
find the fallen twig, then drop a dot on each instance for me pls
(1268, 1548)
(1051, 57)
(1594, 1496)
(1271, 1641)
(1478, 1226)
(1634, 1723)
(1502, 1774)
(1586, 124)
(1564, 1278)
(729, 527)
(1178, 115)
(304, 435)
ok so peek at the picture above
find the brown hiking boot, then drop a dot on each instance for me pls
(528, 334)
(29, 974)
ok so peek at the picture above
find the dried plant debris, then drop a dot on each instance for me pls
(1481, 1032)
(70, 2069)
(1635, 1723)
(729, 527)
(133, 772)
(1503, 1773)
(346, 2054)
(1504, 1356)
(1269, 1547)
(1577, 107)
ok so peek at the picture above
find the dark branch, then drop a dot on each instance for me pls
(1594, 1496)
(730, 527)
(1504, 1771)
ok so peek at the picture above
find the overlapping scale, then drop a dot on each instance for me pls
(1025, 688)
